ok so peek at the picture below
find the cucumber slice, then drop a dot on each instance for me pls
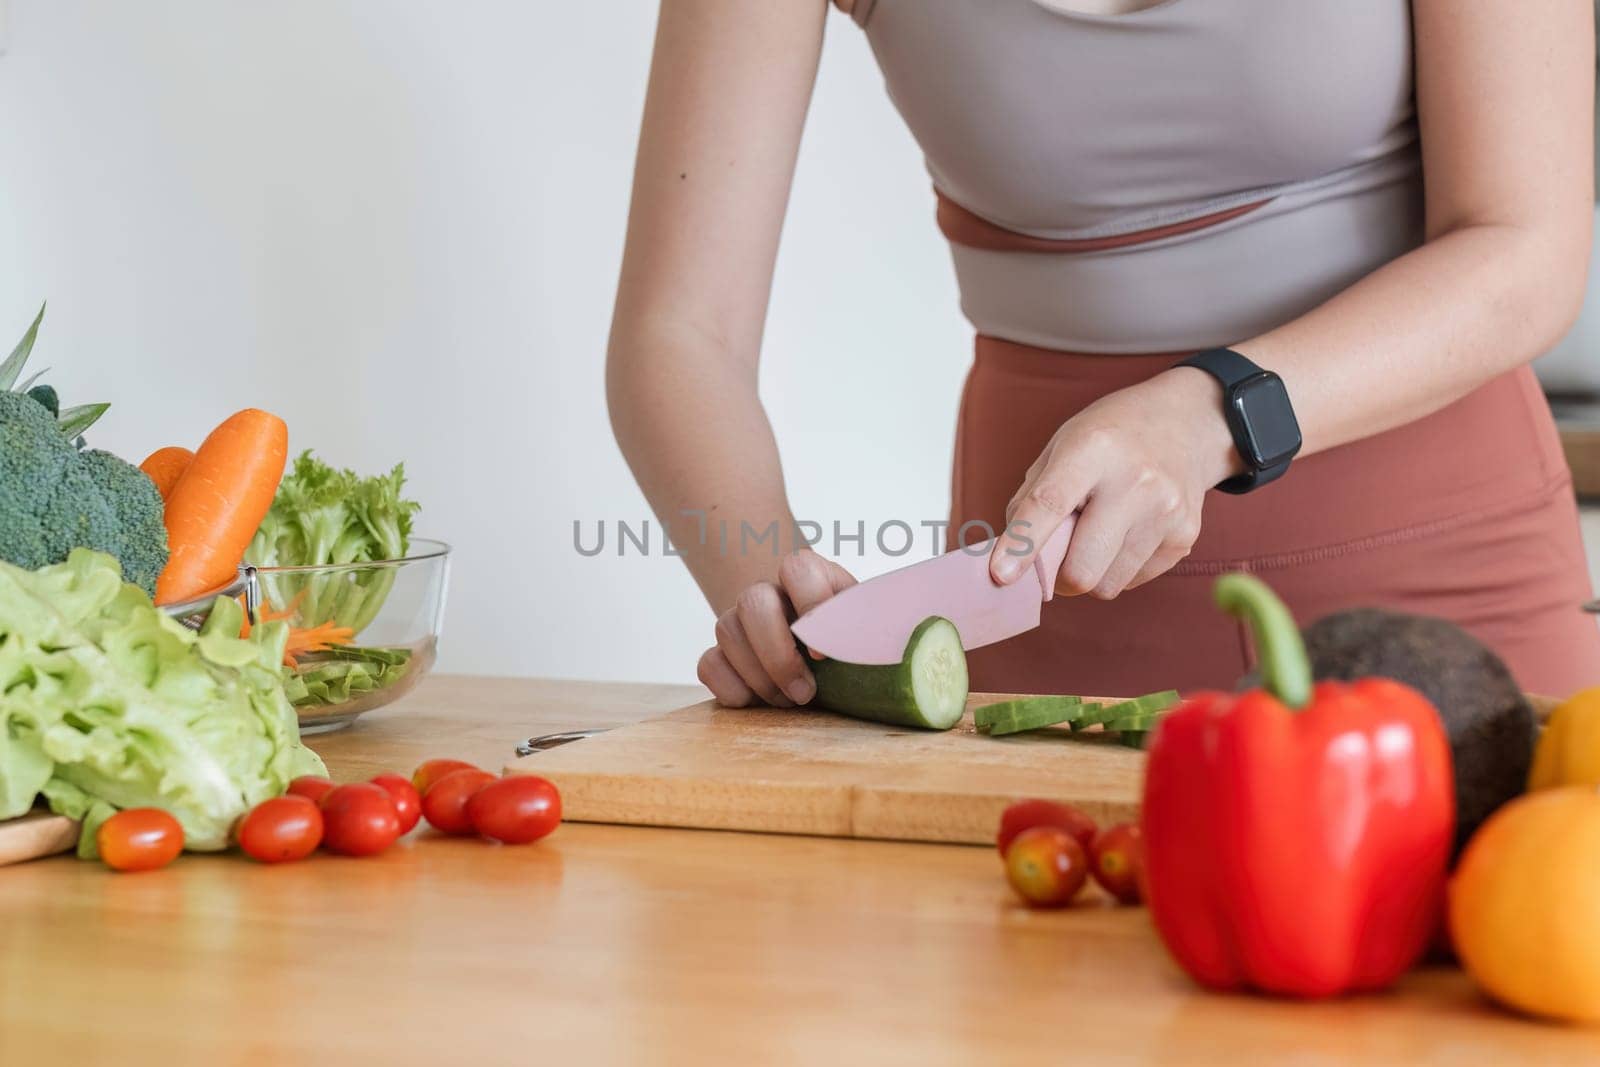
(1063, 707)
(1035, 713)
(926, 689)
(1149, 704)
(1134, 738)
(1087, 715)
(1135, 723)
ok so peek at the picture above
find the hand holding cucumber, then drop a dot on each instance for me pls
(1136, 465)
(755, 659)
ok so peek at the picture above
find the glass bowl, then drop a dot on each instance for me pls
(388, 614)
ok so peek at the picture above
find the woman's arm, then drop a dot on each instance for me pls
(1505, 98)
(729, 85)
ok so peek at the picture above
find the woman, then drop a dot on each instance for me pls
(1380, 209)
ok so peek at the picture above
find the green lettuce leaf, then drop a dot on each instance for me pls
(324, 516)
(108, 703)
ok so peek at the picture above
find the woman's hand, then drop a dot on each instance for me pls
(1136, 465)
(755, 658)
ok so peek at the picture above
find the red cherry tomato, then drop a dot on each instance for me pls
(359, 820)
(1046, 866)
(139, 839)
(283, 828)
(430, 771)
(407, 801)
(313, 787)
(444, 805)
(516, 809)
(1026, 814)
(1117, 860)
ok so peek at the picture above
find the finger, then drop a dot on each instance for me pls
(1028, 478)
(718, 675)
(840, 578)
(1142, 542)
(764, 614)
(1058, 490)
(1099, 536)
(735, 646)
(808, 580)
(1158, 564)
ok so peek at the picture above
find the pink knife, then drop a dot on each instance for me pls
(871, 622)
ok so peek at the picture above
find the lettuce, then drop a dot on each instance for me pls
(320, 517)
(107, 703)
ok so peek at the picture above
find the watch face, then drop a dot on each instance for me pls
(1272, 435)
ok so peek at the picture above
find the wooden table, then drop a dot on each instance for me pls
(618, 945)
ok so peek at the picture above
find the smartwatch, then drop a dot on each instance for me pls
(1259, 415)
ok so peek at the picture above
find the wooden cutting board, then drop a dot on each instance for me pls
(35, 834)
(811, 772)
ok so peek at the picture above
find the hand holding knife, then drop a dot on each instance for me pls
(871, 622)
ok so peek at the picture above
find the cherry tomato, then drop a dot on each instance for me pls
(313, 787)
(516, 809)
(430, 771)
(139, 839)
(1046, 866)
(359, 820)
(407, 801)
(1026, 814)
(444, 805)
(283, 828)
(1117, 861)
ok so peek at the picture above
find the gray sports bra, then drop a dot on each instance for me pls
(1186, 175)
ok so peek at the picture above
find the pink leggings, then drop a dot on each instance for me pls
(1467, 514)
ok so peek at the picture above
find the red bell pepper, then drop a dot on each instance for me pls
(1297, 838)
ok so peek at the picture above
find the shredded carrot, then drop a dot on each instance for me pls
(267, 613)
(315, 639)
(302, 639)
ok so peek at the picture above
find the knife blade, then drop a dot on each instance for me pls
(872, 621)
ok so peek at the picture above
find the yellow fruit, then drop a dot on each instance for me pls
(1569, 750)
(1525, 904)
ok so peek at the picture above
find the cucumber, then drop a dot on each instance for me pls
(1087, 715)
(1135, 723)
(1035, 713)
(926, 689)
(1050, 710)
(1149, 704)
(1134, 738)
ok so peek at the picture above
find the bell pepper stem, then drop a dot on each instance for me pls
(1285, 667)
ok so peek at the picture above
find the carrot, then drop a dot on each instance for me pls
(219, 502)
(302, 639)
(265, 612)
(314, 639)
(165, 466)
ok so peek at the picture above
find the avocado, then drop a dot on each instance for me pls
(1491, 726)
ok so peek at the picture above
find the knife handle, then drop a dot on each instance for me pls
(1048, 562)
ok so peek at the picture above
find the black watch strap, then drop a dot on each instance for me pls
(1240, 377)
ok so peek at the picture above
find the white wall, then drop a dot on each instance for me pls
(398, 224)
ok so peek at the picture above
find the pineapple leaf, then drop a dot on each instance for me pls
(12, 367)
(73, 421)
(32, 378)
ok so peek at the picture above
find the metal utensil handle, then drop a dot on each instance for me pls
(247, 584)
(549, 741)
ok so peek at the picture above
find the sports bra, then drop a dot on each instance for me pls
(1185, 175)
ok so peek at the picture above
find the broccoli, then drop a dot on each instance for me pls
(46, 395)
(57, 498)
